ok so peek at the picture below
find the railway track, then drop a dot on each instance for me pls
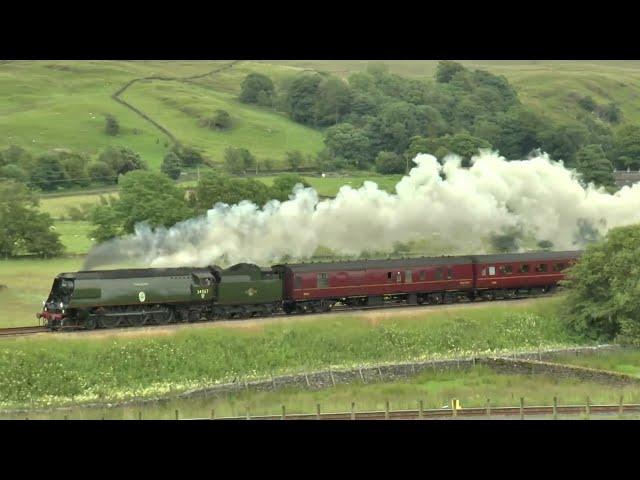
(446, 414)
(13, 331)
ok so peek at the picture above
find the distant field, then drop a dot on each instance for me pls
(54, 104)
(28, 282)
(179, 107)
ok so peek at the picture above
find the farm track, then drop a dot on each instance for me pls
(14, 331)
(449, 414)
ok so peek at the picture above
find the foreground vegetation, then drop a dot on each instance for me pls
(71, 369)
(436, 390)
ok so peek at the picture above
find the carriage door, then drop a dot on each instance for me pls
(408, 276)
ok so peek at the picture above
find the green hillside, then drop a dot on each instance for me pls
(62, 104)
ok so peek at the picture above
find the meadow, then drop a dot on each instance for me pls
(47, 370)
(627, 362)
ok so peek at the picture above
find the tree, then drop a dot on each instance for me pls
(465, 146)
(101, 173)
(122, 159)
(390, 162)
(610, 112)
(587, 103)
(348, 142)
(13, 172)
(106, 220)
(171, 165)
(446, 70)
(112, 127)
(283, 185)
(189, 156)
(333, 101)
(75, 167)
(301, 97)
(49, 173)
(23, 229)
(562, 142)
(149, 197)
(626, 147)
(238, 160)
(256, 88)
(603, 297)
(295, 159)
(213, 188)
(221, 120)
(593, 166)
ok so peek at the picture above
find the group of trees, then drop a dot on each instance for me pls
(603, 291)
(64, 168)
(153, 198)
(377, 113)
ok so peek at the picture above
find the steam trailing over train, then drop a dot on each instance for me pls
(533, 202)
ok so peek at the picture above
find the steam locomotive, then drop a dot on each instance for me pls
(158, 296)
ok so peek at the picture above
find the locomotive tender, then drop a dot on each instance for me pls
(157, 296)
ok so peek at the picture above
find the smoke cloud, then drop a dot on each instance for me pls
(495, 204)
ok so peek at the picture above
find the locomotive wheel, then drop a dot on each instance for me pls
(163, 318)
(139, 320)
(108, 321)
(90, 323)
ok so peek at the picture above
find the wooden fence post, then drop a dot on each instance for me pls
(621, 405)
(489, 407)
(317, 411)
(213, 413)
(333, 380)
(248, 414)
(386, 410)
(521, 408)
(66, 417)
(177, 415)
(353, 410)
(284, 414)
(454, 411)
(555, 408)
(139, 415)
(420, 409)
(588, 407)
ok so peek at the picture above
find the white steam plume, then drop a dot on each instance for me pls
(535, 198)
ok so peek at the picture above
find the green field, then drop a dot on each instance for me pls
(627, 362)
(471, 387)
(116, 365)
(57, 104)
(27, 282)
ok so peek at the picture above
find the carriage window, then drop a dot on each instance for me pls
(524, 268)
(541, 267)
(492, 270)
(558, 267)
(449, 273)
(323, 280)
(388, 275)
(439, 274)
(506, 269)
(298, 281)
(423, 275)
(484, 272)
(408, 276)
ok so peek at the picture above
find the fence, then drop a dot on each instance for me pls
(452, 412)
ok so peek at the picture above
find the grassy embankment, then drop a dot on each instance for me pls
(627, 362)
(72, 369)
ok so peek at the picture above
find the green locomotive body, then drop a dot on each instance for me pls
(136, 297)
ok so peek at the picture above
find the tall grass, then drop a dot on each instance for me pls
(59, 370)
